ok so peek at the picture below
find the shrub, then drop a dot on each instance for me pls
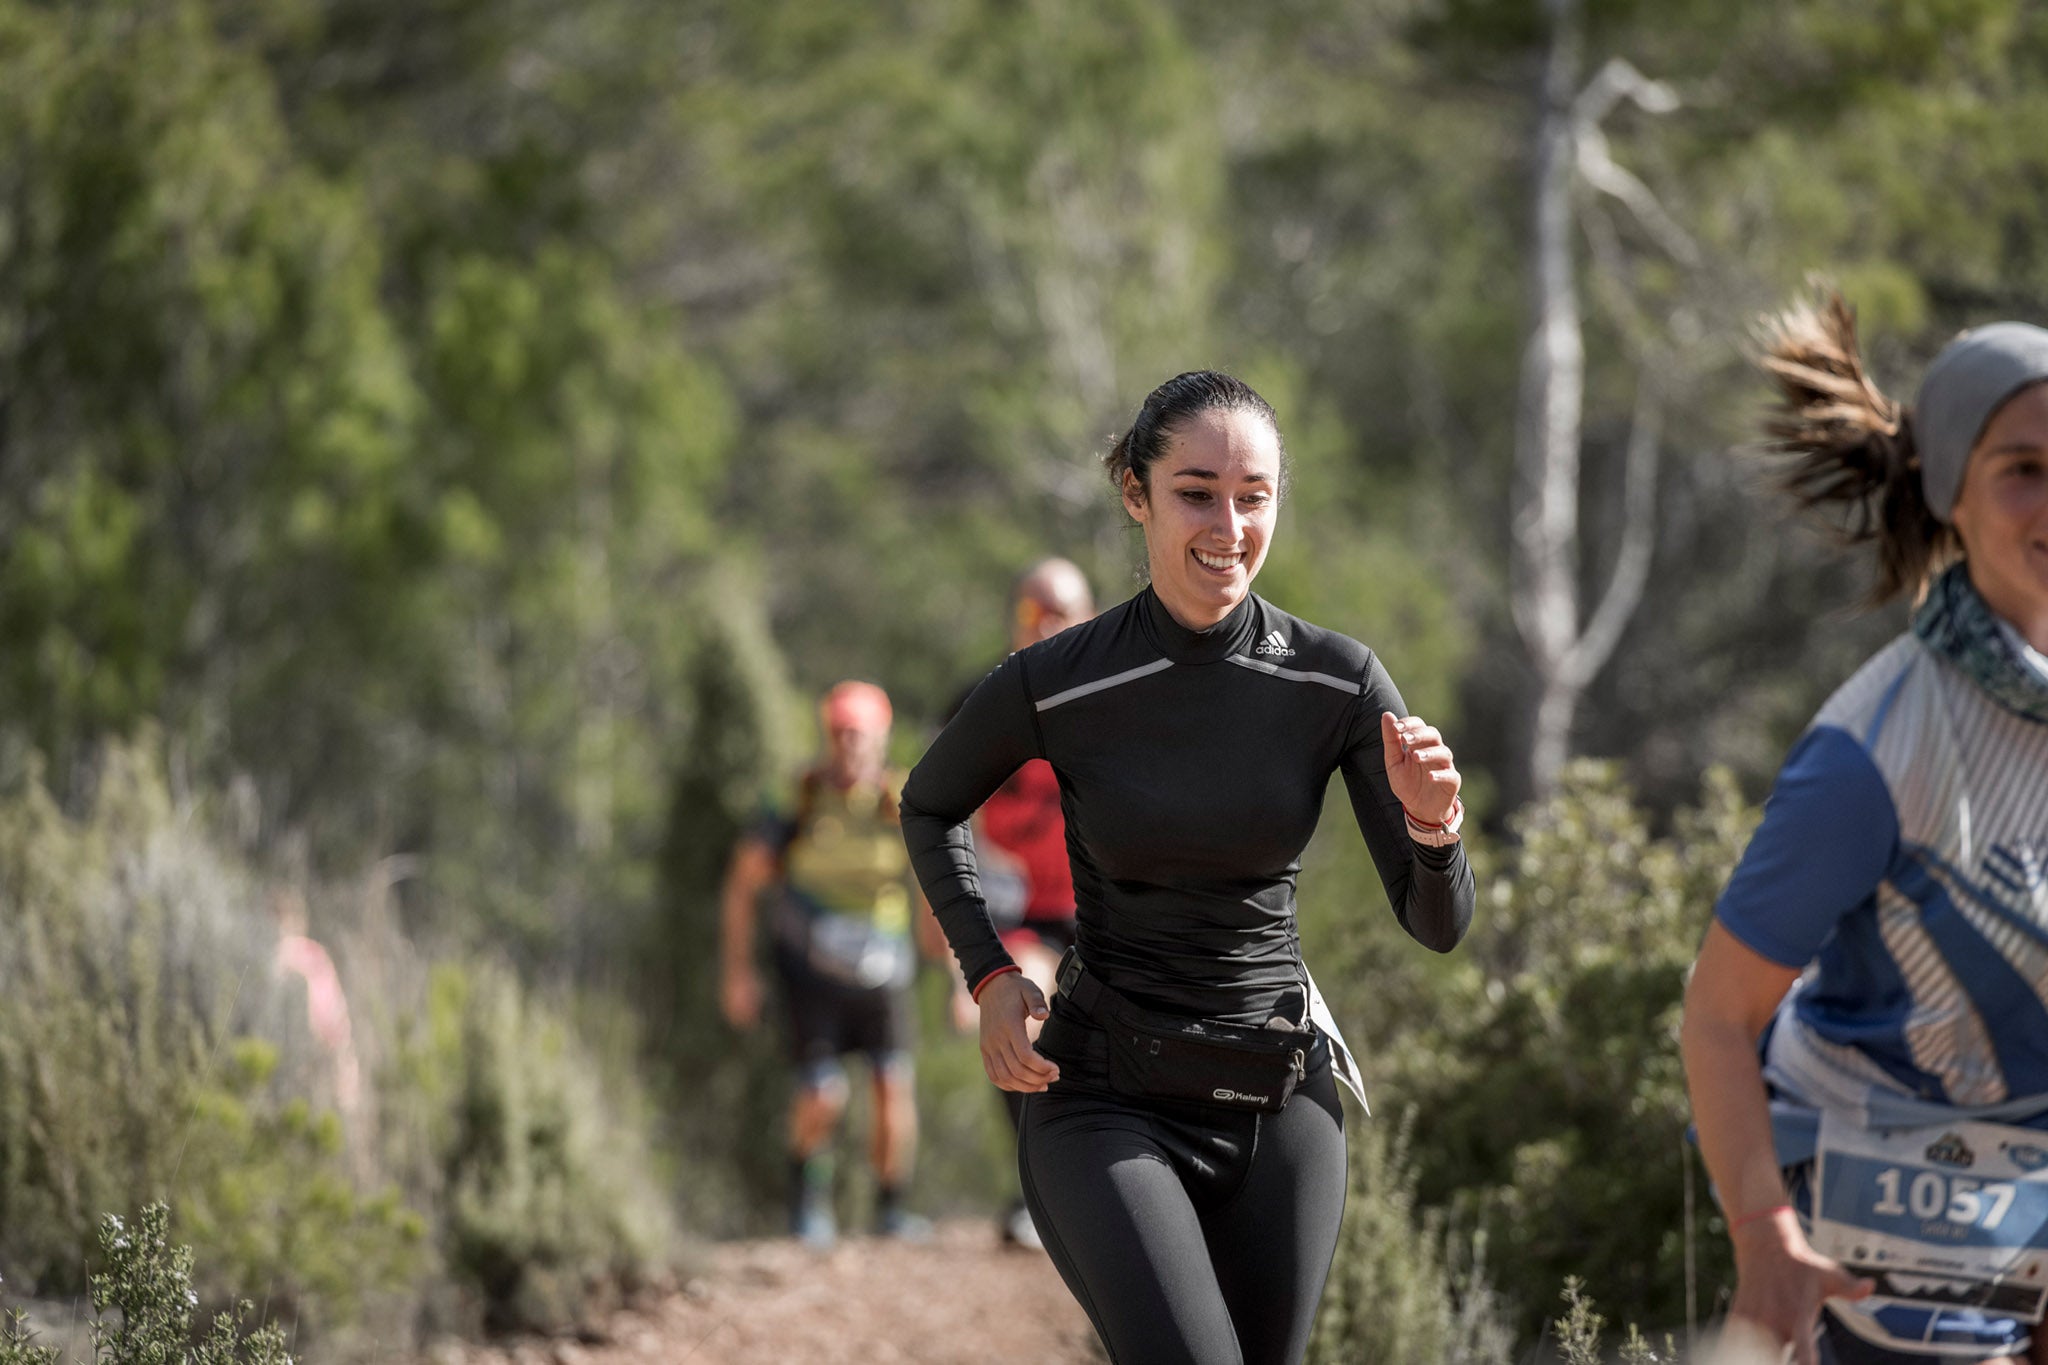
(532, 1152)
(148, 1050)
(1578, 1334)
(18, 1343)
(145, 1305)
(141, 1036)
(1554, 1094)
(270, 1196)
(725, 1088)
(1404, 1288)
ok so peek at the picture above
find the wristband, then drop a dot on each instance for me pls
(1754, 1215)
(982, 984)
(1436, 833)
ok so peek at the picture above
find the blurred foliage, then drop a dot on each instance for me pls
(380, 391)
(1404, 1289)
(1578, 1334)
(380, 395)
(482, 422)
(502, 1172)
(388, 513)
(739, 705)
(1584, 943)
(538, 1167)
(136, 1062)
(1543, 1060)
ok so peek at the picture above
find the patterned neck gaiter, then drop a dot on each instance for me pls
(1956, 625)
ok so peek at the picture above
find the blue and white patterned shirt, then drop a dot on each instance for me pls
(1903, 863)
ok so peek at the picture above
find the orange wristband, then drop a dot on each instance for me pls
(1755, 1215)
(982, 984)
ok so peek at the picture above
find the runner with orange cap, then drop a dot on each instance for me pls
(841, 923)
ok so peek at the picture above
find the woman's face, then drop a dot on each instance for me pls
(1207, 508)
(2001, 513)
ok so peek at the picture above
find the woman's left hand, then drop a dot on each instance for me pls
(1420, 767)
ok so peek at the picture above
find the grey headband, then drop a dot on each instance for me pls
(1967, 382)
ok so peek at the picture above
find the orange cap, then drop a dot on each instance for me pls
(853, 705)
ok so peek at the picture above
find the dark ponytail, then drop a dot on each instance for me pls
(1171, 405)
(1850, 448)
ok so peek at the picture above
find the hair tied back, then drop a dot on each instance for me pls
(1849, 447)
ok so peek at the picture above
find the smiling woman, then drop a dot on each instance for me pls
(1871, 1001)
(1213, 446)
(2001, 514)
(1181, 1145)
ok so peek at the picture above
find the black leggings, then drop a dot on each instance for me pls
(1189, 1234)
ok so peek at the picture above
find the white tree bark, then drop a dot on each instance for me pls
(1567, 649)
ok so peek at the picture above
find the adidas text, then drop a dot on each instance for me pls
(1275, 643)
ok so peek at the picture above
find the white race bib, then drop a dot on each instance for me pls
(1950, 1216)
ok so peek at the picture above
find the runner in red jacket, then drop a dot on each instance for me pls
(1022, 839)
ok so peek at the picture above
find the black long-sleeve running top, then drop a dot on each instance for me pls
(1192, 767)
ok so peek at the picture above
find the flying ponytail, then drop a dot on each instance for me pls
(1850, 449)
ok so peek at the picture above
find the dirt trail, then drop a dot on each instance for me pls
(962, 1299)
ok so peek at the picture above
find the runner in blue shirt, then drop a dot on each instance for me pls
(1874, 987)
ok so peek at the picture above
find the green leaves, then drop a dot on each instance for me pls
(146, 1050)
(145, 1304)
(1404, 1288)
(538, 1168)
(1548, 1067)
(18, 1342)
(296, 462)
(453, 416)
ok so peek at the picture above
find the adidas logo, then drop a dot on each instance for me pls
(1275, 643)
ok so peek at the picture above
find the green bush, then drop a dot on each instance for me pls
(141, 1035)
(1553, 1097)
(145, 1305)
(535, 1156)
(18, 1342)
(148, 1050)
(1404, 1288)
(725, 1089)
(1578, 1334)
(271, 1198)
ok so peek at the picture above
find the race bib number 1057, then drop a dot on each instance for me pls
(1950, 1216)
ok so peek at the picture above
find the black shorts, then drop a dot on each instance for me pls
(829, 1019)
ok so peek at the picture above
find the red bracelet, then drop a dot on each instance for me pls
(982, 984)
(1415, 819)
(1754, 1214)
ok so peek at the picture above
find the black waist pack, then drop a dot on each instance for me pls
(1198, 1061)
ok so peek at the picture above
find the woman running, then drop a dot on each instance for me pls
(1182, 1146)
(1866, 1031)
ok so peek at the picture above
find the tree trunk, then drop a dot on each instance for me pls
(1548, 419)
(1557, 701)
